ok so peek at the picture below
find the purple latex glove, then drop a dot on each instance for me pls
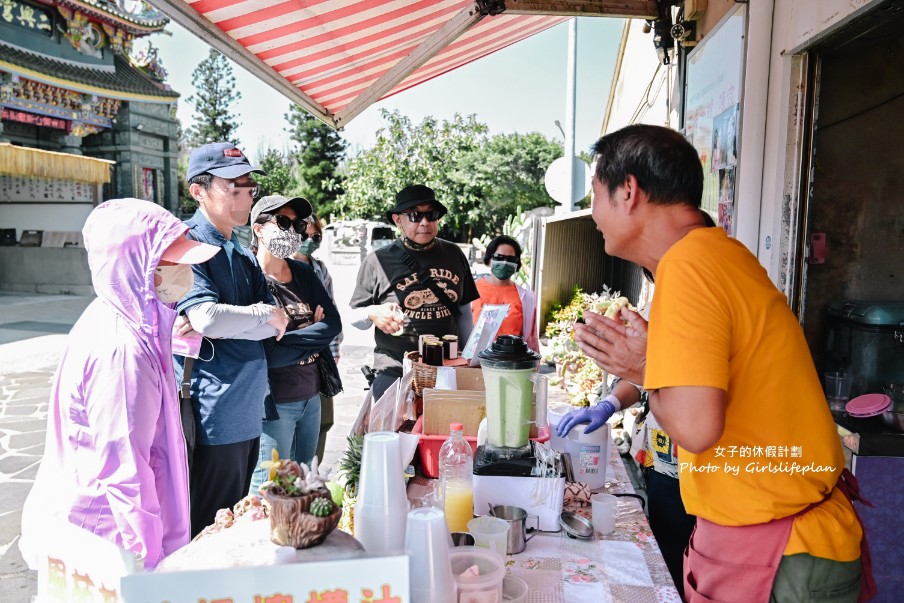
(596, 416)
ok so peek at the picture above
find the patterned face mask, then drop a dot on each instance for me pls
(281, 243)
(503, 270)
(175, 282)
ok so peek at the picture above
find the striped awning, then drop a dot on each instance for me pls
(337, 57)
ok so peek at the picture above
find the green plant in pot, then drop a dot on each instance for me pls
(349, 471)
(302, 513)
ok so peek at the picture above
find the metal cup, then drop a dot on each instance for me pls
(462, 539)
(519, 533)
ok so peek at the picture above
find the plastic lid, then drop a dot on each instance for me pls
(456, 427)
(868, 405)
(509, 352)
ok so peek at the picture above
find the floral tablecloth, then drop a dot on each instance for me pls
(624, 566)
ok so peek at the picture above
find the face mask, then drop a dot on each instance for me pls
(175, 282)
(281, 243)
(309, 247)
(503, 270)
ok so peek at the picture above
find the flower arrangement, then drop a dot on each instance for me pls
(302, 512)
(576, 373)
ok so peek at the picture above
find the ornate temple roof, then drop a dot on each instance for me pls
(145, 20)
(125, 82)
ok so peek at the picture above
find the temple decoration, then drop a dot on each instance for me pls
(119, 39)
(148, 62)
(85, 36)
(26, 15)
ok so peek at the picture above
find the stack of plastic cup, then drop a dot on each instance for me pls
(380, 514)
(427, 545)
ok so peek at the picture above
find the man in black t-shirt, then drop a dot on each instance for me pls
(426, 279)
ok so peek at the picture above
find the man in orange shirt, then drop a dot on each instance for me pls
(731, 379)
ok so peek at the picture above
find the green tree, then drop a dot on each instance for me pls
(318, 156)
(279, 179)
(427, 153)
(215, 93)
(509, 172)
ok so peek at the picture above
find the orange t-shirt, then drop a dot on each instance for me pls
(718, 321)
(501, 294)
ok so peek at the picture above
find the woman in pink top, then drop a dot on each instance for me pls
(115, 459)
(503, 256)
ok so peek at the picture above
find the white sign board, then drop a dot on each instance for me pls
(359, 580)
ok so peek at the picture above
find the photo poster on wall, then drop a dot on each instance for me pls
(147, 184)
(712, 114)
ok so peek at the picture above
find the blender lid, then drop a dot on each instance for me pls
(868, 405)
(509, 352)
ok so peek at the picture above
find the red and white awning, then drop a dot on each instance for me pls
(336, 57)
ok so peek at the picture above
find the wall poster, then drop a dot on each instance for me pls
(148, 180)
(712, 99)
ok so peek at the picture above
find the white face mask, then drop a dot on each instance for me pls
(175, 282)
(281, 243)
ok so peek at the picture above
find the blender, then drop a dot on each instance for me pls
(509, 468)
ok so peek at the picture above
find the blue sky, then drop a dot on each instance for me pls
(518, 89)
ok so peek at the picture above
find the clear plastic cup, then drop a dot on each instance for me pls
(427, 545)
(487, 584)
(605, 511)
(838, 386)
(490, 533)
(382, 507)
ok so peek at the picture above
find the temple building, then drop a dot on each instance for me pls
(84, 118)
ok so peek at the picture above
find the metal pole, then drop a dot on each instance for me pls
(570, 110)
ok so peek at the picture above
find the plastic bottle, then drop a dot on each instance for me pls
(456, 471)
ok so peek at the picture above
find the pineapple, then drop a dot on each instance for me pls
(349, 470)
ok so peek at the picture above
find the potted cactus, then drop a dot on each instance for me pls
(302, 513)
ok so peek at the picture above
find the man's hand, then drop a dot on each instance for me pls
(618, 349)
(389, 318)
(318, 314)
(183, 327)
(279, 320)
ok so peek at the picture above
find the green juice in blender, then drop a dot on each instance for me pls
(508, 370)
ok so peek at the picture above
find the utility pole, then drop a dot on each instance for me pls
(570, 110)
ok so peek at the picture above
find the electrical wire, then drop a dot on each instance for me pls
(859, 113)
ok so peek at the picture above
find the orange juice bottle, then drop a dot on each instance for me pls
(456, 469)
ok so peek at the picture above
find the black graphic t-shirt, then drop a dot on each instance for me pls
(301, 381)
(384, 278)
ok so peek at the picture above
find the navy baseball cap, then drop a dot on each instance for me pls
(221, 159)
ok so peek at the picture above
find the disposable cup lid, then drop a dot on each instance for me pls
(868, 405)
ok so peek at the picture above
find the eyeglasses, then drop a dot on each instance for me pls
(498, 257)
(299, 225)
(316, 237)
(416, 216)
(253, 189)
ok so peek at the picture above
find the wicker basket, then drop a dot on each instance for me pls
(292, 525)
(424, 374)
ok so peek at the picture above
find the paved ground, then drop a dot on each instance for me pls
(33, 331)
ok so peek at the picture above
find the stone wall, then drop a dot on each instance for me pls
(48, 270)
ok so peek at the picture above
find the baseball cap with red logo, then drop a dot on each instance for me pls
(221, 159)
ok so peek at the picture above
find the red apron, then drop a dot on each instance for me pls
(723, 564)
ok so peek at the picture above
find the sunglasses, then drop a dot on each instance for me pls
(416, 216)
(298, 224)
(316, 237)
(498, 257)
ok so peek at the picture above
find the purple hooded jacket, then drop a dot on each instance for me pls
(115, 459)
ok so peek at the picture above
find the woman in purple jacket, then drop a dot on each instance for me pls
(115, 458)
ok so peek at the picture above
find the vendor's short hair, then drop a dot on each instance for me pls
(494, 245)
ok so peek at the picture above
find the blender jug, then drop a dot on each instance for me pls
(509, 371)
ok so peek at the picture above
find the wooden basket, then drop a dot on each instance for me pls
(424, 376)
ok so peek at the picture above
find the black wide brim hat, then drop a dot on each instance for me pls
(412, 196)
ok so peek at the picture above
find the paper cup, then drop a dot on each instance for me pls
(605, 511)
(427, 545)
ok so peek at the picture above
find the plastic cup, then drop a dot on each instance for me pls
(514, 590)
(427, 545)
(605, 510)
(838, 386)
(381, 511)
(490, 533)
(487, 584)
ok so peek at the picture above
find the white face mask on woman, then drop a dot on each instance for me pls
(172, 282)
(281, 243)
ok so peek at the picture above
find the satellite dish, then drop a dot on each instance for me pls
(557, 179)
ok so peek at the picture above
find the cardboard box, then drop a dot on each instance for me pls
(444, 406)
